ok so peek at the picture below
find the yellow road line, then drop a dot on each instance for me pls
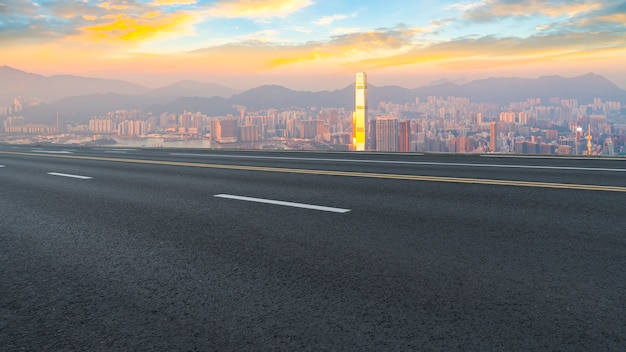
(340, 173)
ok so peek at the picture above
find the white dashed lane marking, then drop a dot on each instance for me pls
(53, 151)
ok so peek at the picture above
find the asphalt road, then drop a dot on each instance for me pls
(178, 250)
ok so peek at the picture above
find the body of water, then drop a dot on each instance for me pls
(161, 143)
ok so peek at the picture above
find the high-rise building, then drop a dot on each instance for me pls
(249, 133)
(224, 130)
(359, 116)
(371, 133)
(312, 128)
(404, 136)
(387, 134)
(493, 137)
(100, 126)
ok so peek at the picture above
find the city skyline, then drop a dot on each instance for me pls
(436, 124)
(314, 44)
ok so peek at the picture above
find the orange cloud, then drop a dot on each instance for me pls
(126, 28)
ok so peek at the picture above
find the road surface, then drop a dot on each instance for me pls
(174, 250)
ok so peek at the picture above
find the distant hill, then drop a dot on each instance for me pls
(506, 90)
(189, 88)
(102, 103)
(83, 98)
(15, 83)
(273, 96)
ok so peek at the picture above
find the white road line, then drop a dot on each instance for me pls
(288, 204)
(71, 176)
(408, 162)
(1, 165)
(517, 156)
(52, 151)
(536, 167)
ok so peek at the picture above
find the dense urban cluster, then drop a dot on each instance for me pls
(436, 124)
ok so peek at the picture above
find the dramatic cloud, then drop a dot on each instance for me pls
(361, 44)
(492, 10)
(29, 22)
(612, 17)
(341, 48)
(108, 21)
(128, 28)
(606, 19)
(491, 50)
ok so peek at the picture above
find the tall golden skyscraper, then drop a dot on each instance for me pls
(359, 116)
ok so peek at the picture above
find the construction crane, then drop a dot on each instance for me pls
(589, 145)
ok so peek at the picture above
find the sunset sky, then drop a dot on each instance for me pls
(313, 44)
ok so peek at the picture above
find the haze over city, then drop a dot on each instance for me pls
(314, 45)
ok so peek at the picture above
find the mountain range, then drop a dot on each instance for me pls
(16, 83)
(81, 98)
